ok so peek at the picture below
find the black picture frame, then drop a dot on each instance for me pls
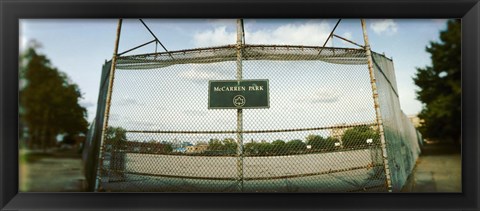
(11, 11)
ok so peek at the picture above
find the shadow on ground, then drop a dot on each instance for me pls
(440, 149)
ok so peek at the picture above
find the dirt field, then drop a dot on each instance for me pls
(254, 167)
(325, 172)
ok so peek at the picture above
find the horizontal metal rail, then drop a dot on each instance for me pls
(370, 166)
(244, 131)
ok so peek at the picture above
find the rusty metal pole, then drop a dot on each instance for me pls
(107, 104)
(239, 111)
(368, 52)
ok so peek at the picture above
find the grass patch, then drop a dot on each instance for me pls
(34, 157)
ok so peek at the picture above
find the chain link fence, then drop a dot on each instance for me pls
(319, 134)
(403, 140)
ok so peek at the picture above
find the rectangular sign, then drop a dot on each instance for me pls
(233, 94)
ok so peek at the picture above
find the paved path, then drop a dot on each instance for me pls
(438, 169)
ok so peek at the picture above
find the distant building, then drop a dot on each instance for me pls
(180, 149)
(416, 121)
(145, 147)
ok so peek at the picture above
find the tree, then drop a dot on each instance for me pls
(264, 148)
(278, 147)
(259, 148)
(68, 139)
(167, 148)
(227, 146)
(295, 146)
(358, 136)
(230, 146)
(440, 87)
(317, 142)
(115, 143)
(330, 143)
(115, 136)
(250, 148)
(214, 145)
(48, 101)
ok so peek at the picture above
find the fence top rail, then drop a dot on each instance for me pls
(340, 126)
(351, 56)
(244, 46)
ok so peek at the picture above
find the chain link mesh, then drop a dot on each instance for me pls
(403, 141)
(319, 135)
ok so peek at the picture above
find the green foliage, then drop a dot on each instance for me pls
(68, 139)
(330, 143)
(48, 101)
(440, 86)
(279, 147)
(296, 145)
(214, 145)
(228, 145)
(357, 136)
(258, 148)
(168, 148)
(116, 137)
(317, 142)
(275, 148)
(250, 148)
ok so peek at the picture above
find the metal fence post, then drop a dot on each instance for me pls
(377, 107)
(107, 106)
(239, 111)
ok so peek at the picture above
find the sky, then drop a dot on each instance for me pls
(79, 47)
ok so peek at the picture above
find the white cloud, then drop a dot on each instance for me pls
(23, 43)
(215, 37)
(202, 73)
(114, 117)
(86, 104)
(387, 26)
(23, 38)
(348, 36)
(193, 112)
(323, 96)
(222, 22)
(309, 33)
(141, 124)
(126, 101)
(199, 75)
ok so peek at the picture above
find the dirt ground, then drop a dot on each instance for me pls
(51, 171)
